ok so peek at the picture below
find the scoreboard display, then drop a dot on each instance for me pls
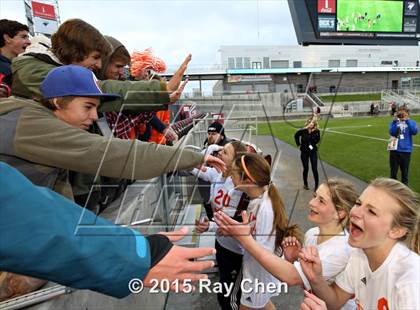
(356, 21)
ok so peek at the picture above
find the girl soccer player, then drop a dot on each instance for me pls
(224, 196)
(252, 174)
(383, 272)
(329, 210)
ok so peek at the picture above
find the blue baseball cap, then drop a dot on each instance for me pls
(73, 80)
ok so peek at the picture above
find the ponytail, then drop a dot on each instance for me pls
(280, 222)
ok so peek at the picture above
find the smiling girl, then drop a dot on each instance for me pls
(383, 272)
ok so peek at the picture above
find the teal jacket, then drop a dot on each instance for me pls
(44, 235)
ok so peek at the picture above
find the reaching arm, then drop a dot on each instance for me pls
(311, 302)
(278, 267)
(76, 248)
(333, 295)
(46, 140)
(136, 96)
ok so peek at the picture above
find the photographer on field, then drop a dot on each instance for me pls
(402, 128)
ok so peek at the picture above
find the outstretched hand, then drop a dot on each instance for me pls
(174, 96)
(311, 302)
(202, 226)
(291, 248)
(215, 162)
(179, 264)
(311, 263)
(170, 134)
(175, 235)
(229, 227)
(175, 81)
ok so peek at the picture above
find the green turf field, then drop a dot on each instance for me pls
(390, 19)
(363, 157)
(350, 98)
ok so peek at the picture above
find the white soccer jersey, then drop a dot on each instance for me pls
(394, 285)
(223, 196)
(261, 217)
(334, 254)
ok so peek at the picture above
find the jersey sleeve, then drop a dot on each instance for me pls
(210, 175)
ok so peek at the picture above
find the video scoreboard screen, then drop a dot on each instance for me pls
(357, 20)
(367, 18)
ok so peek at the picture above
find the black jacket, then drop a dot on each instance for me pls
(304, 139)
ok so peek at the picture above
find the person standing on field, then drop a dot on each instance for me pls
(403, 128)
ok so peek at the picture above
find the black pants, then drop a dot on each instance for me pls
(399, 160)
(204, 190)
(229, 264)
(313, 157)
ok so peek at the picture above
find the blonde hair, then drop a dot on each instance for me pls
(343, 196)
(238, 147)
(314, 121)
(408, 214)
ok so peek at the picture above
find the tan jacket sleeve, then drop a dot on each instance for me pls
(44, 139)
(28, 74)
(136, 96)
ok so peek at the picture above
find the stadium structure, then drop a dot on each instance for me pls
(270, 68)
(339, 55)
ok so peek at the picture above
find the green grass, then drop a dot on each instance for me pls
(350, 98)
(390, 20)
(361, 157)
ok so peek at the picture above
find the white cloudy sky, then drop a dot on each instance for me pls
(175, 28)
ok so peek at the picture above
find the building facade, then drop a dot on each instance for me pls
(320, 68)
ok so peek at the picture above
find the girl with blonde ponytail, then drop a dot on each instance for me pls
(383, 271)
